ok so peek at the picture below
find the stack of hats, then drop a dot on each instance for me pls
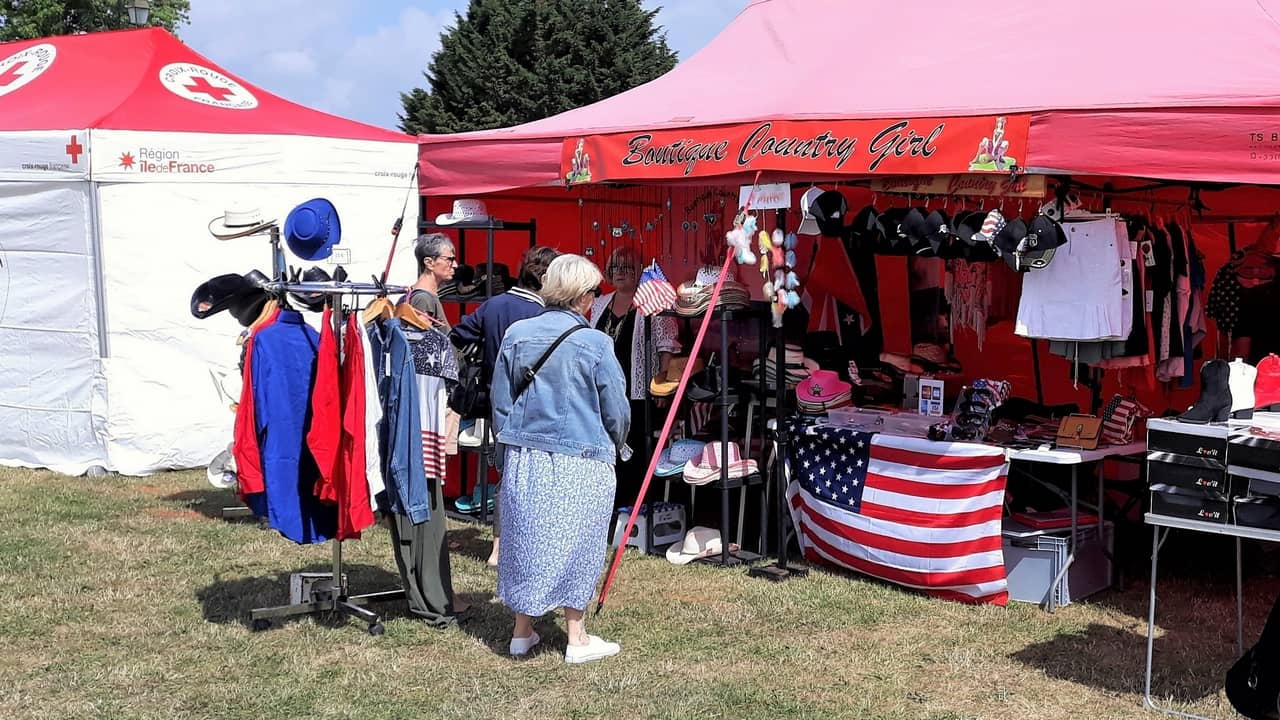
(798, 367)
(694, 297)
(665, 384)
(823, 390)
(241, 295)
(469, 283)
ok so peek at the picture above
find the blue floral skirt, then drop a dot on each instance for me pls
(555, 511)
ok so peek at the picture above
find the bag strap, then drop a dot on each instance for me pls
(531, 372)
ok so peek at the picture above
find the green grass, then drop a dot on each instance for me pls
(130, 598)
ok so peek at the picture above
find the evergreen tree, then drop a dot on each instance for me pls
(27, 19)
(508, 62)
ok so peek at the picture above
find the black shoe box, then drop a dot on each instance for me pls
(1193, 504)
(1258, 483)
(1254, 451)
(1190, 472)
(1258, 512)
(1205, 441)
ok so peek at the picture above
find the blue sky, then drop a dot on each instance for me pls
(354, 58)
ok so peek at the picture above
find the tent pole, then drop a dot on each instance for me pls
(99, 277)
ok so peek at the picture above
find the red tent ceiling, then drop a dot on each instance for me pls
(1151, 88)
(146, 80)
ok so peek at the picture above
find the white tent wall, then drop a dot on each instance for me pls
(50, 378)
(163, 410)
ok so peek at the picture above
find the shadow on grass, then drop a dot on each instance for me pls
(1112, 659)
(210, 503)
(229, 601)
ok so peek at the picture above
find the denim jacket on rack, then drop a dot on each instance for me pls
(400, 436)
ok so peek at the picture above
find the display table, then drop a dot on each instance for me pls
(1160, 527)
(1075, 458)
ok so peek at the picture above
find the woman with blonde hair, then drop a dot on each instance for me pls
(561, 419)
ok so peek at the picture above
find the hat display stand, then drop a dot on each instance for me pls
(482, 511)
(313, 593)
(759, 314)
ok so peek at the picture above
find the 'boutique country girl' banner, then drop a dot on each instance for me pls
(842, 147)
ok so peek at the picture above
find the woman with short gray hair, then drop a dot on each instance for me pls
(560, 432)
(437, 260)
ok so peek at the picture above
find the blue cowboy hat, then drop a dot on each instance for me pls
(312, 229)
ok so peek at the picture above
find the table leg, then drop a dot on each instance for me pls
(1239, 603)
(1060, 579)
(1147, 701)
(1151, 617)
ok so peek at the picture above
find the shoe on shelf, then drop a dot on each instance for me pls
(1243, 378)
(595, 649)
(1214, 404)
(522, 646)
(1266, 387)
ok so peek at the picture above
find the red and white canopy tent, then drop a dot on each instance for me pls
(1143, 88)
(828, 90)
(116, 150)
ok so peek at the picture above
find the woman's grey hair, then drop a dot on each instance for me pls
(569, 277)
(430, 245)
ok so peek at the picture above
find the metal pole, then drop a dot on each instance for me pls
(724, 438)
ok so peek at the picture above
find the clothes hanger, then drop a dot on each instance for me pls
(380, 307)
(411, 315)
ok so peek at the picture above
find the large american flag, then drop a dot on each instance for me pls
(913, 512)
(653, 293)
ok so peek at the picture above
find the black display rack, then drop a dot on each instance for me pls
(757, 312)
(490, 228)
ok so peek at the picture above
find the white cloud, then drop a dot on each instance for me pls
(290, 62)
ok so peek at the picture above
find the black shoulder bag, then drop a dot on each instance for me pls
(527, 378)
(469, 397)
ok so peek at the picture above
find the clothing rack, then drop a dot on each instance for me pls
(330, 594)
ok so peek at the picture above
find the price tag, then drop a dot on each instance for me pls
(1149, 299)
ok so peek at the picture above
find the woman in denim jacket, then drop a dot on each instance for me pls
(557, 446)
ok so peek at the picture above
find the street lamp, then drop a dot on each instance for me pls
(139, 11)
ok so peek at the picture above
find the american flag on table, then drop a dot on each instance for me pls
(653, 293)
(914, 512)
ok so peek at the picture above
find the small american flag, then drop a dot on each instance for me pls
(914, 512)
(653, 294)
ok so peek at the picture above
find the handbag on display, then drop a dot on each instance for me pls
(469, 397)
(1120, 420)
(1253, 682)
(1082, 432)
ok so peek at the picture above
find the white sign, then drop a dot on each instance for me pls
(774, 196)
(931, 397)
(24, 66)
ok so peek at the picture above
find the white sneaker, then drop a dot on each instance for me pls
(522, 646)
(595, 649)
(472, 436)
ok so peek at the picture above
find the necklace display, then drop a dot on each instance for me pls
(613, 323)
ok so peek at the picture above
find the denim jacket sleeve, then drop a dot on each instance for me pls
(500, 399)
(615, 409)
(406, 469)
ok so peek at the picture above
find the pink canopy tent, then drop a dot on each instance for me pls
(1143, 88)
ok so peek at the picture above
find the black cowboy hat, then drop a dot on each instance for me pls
(247, 306)
(312, 301)
(829, 210)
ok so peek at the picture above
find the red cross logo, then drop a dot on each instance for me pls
(201, 85)
(11, 73)
(74, 149)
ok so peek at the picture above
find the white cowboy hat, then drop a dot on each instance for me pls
(238, 222)
(464, 211)
(699, 542)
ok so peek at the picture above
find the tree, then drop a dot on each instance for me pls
(27, 19)
(513, 61)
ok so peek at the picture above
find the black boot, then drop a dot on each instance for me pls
(1214, 404)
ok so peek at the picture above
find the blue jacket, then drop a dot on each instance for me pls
(489, 322)
(577, 403)
(284, 363)
(400, 434)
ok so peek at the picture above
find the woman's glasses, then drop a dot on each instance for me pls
(450, 259)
